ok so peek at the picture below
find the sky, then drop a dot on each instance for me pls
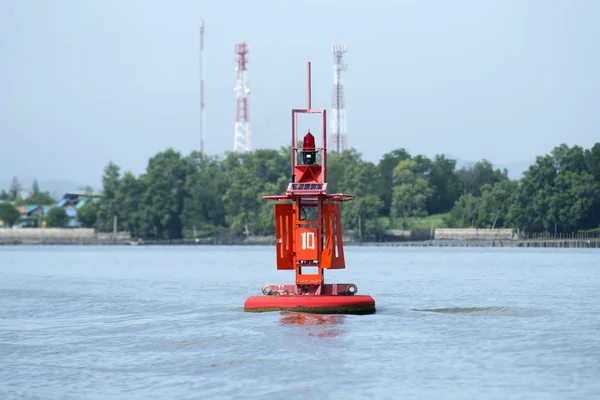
(86, 83)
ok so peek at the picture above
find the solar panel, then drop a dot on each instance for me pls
(307, 186)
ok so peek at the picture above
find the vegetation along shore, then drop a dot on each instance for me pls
(402, 198)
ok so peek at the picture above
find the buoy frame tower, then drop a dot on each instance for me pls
(308, 233)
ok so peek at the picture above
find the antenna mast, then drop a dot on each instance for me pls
(242, 140)
(202, 117)
(338, 114)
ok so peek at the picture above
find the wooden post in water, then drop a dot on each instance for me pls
(115, 228)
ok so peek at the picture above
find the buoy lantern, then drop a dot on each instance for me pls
(308, 236)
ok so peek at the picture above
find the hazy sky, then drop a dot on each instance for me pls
(86, 82)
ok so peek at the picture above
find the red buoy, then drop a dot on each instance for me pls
(322, 304)
(308, 235)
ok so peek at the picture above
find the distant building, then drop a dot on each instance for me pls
(70, 202)
(29, 216)
(76, 200)
(34, 211)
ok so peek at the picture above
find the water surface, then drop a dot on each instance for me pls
(168, 322)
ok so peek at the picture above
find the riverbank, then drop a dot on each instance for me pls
(440, 238)
(565, 243)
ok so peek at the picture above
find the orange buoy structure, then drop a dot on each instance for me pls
(308, 234)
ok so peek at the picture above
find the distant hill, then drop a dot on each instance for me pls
(515, 169)
(56, 188)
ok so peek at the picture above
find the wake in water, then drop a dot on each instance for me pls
(492, 310)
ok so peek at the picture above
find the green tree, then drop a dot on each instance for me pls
(241, 198)
(341, 172)
(410, 193)
(496, 204)
(465, 213)
(57, 217)
(248, 178)
(165, 194)
(35, 189)
(474, 177)
(4, 196)
(558, 193)
(131, 206)
(570, 204)
(15, 187)
(445, 185)
(362, 179)
(88, 214)
(265, 221)
(203, 207)
(109, 207)
(569, 158)
(363, 214)
(386, 172)
(9, 214)
(422, 166)
(592, 157)
(40, 198)
(490, 210)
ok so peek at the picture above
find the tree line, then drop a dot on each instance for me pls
(185, 196)
(36, 197)
(195, 195)
(559, 193)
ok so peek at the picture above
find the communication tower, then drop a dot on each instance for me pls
(338, 110)
(242, 140)
(202, 123)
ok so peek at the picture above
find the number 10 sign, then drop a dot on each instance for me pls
(306, 244)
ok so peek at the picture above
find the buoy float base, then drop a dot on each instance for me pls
(315, 304)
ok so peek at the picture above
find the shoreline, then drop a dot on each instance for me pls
(536, 243)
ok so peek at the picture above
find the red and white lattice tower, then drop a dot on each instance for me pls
(242, 140)
(202, 123)
(338, 110)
